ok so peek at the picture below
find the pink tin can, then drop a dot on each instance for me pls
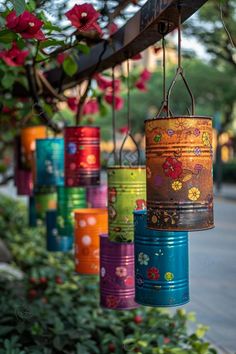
(117, 289)
(97, 196)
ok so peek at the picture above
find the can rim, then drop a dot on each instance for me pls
(142, 167)
(81, 126)
(183, 116)
(35, 126)
(90, 211)
(40, 139)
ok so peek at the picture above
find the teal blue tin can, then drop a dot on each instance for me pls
(49, 159)
(161, 265)
(56, 243)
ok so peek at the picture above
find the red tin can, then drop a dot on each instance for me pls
(82, 156)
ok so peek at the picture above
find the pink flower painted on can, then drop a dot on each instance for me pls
(196, 132)
(121, 271)
(172, 167)
(198, 167)
(129, 281)
(112, 301)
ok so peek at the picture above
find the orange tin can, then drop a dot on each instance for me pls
(28, 137)
(179, 173)
(89, 224)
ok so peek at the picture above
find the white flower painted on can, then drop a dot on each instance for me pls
(54, 232)
(121, 271)
(82, 223)
(92, 220)
(86, 240)
(103, 272)
(143, 258)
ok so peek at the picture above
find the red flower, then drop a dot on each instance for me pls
(61, 57)
(129, 281)
(172, 167)
(84, 18)
(153, 273)
(6, 109)
(105, 84)
(119, 102)
(137, 57)
(145, 75)
(28, 25)
(112, 28)
(14, 56)
(140, 85)
(72, 103)
(124, 130)
(91, 107)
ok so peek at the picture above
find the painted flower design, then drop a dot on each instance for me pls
(129, 281)
(139, 280)
(153, 273)
(170, 217)
(196, 132)
(71, 148)
(206, 139)
(157, 138)
(198, 167)
(194, 193)
(176, 185)
(103, 272)
(112, 212)
(143, 258)
(112, 193)
(121, 271)
(154, 219)
(91, 159)
(169, 276)
(172, 167)
(197, 151)
(170, 132)
(112, 301)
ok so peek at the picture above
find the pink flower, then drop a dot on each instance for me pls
(61, 57)
(6, 109)
(112, 28)
(14, 56)
(119, 102)
(84, 18)
(72, 103)
(105, 84)
(124, 129)
(137, 57)
(121, 271)
(140, 85)
(172, 167)
(145, 75)
(26, 24)
(129, 281)
(91, 107)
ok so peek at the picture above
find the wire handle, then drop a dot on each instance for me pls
(179, 72)
(114, 151)
(128, 134)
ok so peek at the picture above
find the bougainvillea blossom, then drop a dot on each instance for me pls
(84, 17)
(26, 24)
(119, 102)
(14, 56)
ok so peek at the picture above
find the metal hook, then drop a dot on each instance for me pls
(128, 134)
(180, 73)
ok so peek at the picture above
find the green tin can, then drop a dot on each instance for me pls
(68, 200)
(45, 199)
(126, 193)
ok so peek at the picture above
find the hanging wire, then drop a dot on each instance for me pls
(113, 116)
(180, 73)
(128, 134)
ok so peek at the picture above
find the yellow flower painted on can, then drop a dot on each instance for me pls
(206, 139)
(194, 193)
(176, 185)
(154, 219)
(91, 159)
(169, 276)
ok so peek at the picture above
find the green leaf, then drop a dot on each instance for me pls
(7, 36)
(7, 80)
(83, 48)
(70, 66)
(201, 331)
(19, 6)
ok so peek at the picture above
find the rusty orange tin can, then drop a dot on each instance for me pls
(28, 137)
(179, 173)
(89, 224)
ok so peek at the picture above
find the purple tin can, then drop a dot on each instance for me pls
(24, 182)
(117, 289)
(97, 196)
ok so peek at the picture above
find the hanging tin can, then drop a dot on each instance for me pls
(68, 200)
(161, 265)
(28, 137)
(179, 173)
(126, 193)
(24, 182)
(97, 196)
(49, 158)
(32, 212)
(82, 156)
(56, 243)
(116, 275)
(89, 224)
(45, 199)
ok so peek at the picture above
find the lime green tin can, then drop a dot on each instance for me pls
(126, 193)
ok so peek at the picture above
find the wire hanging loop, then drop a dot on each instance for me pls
(128, 134)
(114, 151)
(179, 72)
(163, 29)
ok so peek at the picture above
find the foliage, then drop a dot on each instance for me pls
(228, 172)
(52, 310)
